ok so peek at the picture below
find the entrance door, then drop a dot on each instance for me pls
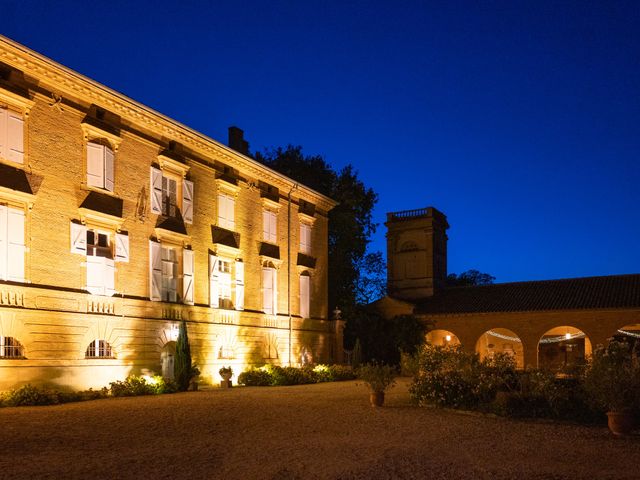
(167, 358)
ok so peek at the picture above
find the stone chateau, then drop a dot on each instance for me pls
(549, 324)
(117, 222)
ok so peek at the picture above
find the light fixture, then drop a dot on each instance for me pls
(567, 336)
(448, 338)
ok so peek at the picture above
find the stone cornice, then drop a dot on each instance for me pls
(69, 82)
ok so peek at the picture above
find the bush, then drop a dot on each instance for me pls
(276, 375)
(340, 373)
(255, 377)
(377, 377)
(28, 395)
(134, 386)
(291, 376)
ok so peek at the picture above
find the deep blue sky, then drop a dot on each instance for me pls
(519, 120)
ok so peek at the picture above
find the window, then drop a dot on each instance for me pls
(269, 290)
(171, 195)
(269, 226)
(305, 294)
(11, 136)
(305, 238)
(221, 283)
(12, 247)
(99, 349)
(166, 283)
(10, 348)
(226, 212)
(100, 253)
(100, 166)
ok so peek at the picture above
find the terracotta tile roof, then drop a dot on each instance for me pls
(616, 291)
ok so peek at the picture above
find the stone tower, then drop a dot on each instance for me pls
(416, 253)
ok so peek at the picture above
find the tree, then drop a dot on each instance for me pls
(372, 281)
(350, 222)
(469, 278)
(182, 367)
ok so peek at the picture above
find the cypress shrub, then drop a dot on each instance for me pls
(182, 367)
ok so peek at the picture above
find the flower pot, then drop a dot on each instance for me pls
(225, 383)
(621, 423)
(376, 399)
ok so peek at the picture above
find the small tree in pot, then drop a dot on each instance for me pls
(613, 382)
(225, 373)
(378, 378)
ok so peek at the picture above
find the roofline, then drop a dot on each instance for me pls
(459, 287)
(327, 202)
(528, 312)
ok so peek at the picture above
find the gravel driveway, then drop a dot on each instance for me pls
(313, 431)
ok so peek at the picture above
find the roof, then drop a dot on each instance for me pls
(616, 291)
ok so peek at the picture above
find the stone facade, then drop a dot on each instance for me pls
(122, 233)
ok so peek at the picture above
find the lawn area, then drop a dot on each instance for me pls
(314, 431)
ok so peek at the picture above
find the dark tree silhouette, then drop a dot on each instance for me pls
(469, 278)
(182, 367)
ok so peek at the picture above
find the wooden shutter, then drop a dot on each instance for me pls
(95, 275)
(15, 245)
(109, 277)
(187, 201)
(108, 169)
(156, 191)
(239, 286)
(78, 238)
(3, 240)
(155, 271)
(95, 165)
(267, 291)
(3, 133)
(275, 291)
(304, 295)
(187, 275)
(15, 137)
(214, 291)
(122, 247)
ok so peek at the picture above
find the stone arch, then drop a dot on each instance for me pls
(12, 326)
(628, 333)
(501, 340)
(101, 330)
(441, 338)
(563, 347)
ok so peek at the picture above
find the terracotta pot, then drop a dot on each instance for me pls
(621, 423)
(226, 376)
(376, 399)
(225, 383)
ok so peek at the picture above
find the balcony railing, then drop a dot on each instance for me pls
(406, 214)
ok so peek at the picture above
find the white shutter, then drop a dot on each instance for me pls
(109, 277)
(187, 201)
(3, 240)
(304, 295)
(214, 291)
(239, 286)
(15, 137)
(3, 133)
(95, 165)
(95, 275)
(108, 169)
(156, 191)
(155, 271)
(187, 276)
(15, 246)
(122, 247)
(78, 238)
(265, 226)
(275, 291)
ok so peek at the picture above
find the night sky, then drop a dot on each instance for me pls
(519, 120)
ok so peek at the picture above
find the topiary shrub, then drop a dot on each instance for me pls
(134, 386)
(255, 377)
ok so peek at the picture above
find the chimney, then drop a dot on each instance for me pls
(237, 141)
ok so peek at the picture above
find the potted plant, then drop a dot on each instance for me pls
(193, 380)
(613, 381)
(378, 378)
(226, 373)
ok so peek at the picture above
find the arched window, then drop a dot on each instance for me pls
(10, 348)
(99, 349)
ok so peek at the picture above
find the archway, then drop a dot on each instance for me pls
(167, 359)
(562, 348)
(501, 340)
(629, 334)
(442, 338)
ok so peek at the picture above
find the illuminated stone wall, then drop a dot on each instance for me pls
(52, 314)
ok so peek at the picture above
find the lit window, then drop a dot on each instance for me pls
(99, 349)
(224, 288)
(305, 295)
(305, 238)
(11, 136)
(100, 264)
(169, 196)
(10, 348)
(269, 226)
(100, 166)
(226, 212)
(269, 290)
(12, 246)
(169, 275)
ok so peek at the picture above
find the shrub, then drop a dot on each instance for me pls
(291, 376)
(377, 377)
(28, 395)
(255, 377)
(134, 386)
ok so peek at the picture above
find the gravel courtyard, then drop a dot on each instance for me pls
(314, 431)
